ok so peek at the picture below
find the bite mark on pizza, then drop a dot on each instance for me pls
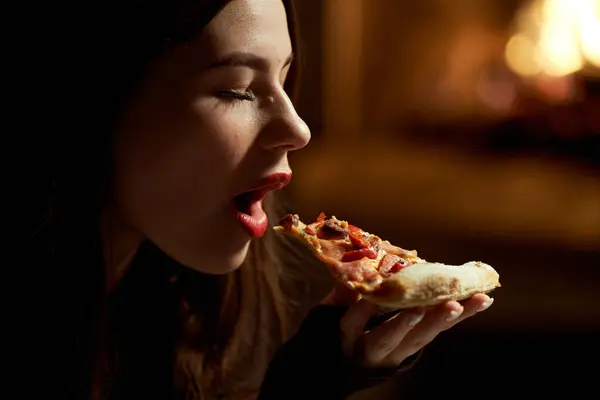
(385, 274)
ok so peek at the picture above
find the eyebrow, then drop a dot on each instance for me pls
(250, 60)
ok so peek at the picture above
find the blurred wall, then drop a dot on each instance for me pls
(410, 104)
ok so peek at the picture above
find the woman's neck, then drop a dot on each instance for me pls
(120, 242)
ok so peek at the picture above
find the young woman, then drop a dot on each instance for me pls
(158, 133)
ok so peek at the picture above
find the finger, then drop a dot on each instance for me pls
(353, 322)
(379, 343)
(436, 321)
(478, 303)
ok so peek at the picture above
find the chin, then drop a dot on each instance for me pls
(212, 261)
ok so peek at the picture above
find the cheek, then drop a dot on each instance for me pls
(179, 172)
(230, 128)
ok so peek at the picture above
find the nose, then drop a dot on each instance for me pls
(285, 129)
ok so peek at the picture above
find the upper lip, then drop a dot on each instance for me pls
(271, 182)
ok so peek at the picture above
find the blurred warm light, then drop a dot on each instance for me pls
(590, 35)
(558, 41)
(555, 38)
(521, 56)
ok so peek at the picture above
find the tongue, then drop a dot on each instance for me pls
(251, 215)
(253, 208)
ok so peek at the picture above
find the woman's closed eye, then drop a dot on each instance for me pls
(237, 95)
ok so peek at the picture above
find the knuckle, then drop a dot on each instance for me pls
(359, 353)
(371, 360)
(418, 343)
(344, 323)
(413, 349)
(385, 346)
(347, 339)
(347, 325)
(451, 324)
(398, 358)
(366, 354)
(385, 340)
(410, 352)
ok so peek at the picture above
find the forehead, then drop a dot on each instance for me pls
(254, 26)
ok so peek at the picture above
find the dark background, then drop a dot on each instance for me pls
(423, 134)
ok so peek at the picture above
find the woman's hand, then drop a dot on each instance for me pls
(313, 362)
(401, 336)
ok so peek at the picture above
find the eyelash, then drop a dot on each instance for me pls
(234, 95)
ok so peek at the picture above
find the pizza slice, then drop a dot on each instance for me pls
(387, 275)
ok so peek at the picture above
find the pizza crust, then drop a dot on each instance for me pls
(427, 284)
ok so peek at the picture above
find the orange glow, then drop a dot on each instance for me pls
(522, 56)
(555, 38)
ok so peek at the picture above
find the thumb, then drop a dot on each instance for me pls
(341, 295)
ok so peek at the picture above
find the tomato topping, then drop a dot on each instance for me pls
(387, 263)
(391, 264)
(358, 240)
(353, 228)
(398, 266)
(321, 217)
(359, 254)
(312, 229)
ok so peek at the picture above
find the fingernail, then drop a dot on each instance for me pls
(454, 314)
(414, 319)
(486, 305)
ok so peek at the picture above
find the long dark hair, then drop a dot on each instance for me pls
(79, 63)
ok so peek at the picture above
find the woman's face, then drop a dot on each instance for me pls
(211, 121)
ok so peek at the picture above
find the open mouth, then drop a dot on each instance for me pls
(250, 214)
(248, 205)
(244, 202)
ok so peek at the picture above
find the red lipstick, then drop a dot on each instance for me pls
(248, 204)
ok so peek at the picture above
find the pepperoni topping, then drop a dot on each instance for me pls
(359, 254)
(390, 264)
(361, 240)
(333, 229)
(289, 220)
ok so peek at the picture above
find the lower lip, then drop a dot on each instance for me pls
(256, 222)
